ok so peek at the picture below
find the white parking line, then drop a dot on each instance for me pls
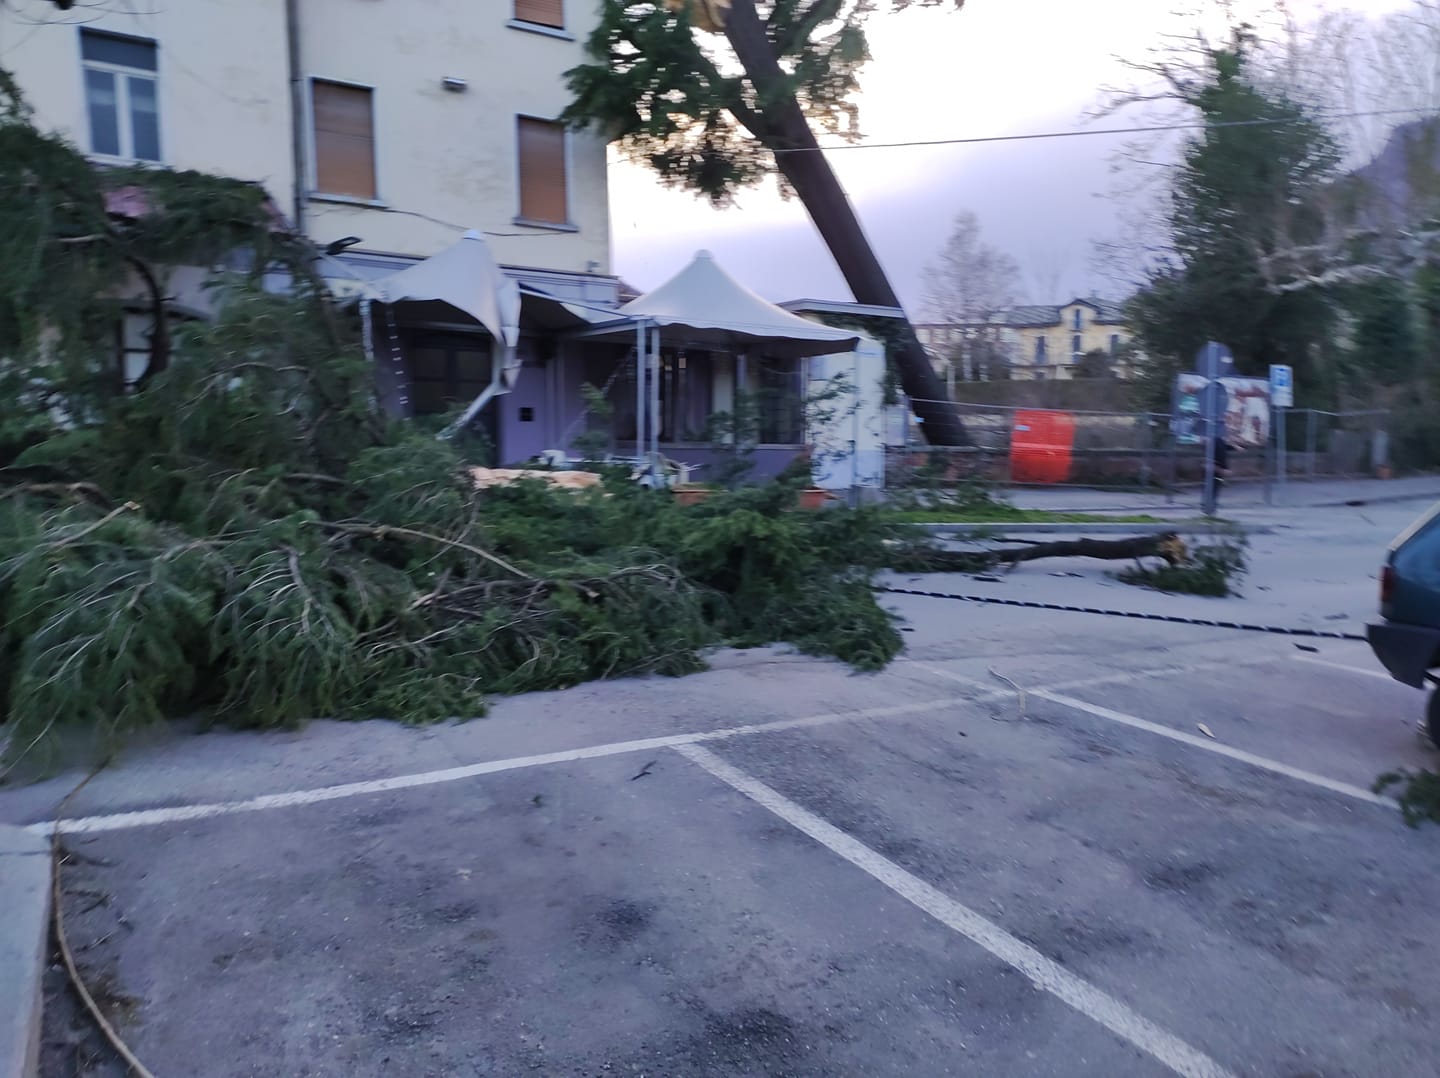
(1119, 678)
(1043, 972)
(1161, 671)
(1382, 675)
(182, 813)
(1218, 748)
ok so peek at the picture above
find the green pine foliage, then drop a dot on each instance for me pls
(1419, 796)
(651, 82)
(1212, 569)
(245, 538)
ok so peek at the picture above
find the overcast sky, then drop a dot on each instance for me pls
(998, 67)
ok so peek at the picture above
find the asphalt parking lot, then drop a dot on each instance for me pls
(1040, 844)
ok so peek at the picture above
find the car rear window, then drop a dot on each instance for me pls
(1416, 558)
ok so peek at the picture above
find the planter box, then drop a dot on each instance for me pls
(814, 498)
(690, 495)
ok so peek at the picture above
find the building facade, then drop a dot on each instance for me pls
(1030, 342)
(384, 128)
(1046, 342)
(381, 130)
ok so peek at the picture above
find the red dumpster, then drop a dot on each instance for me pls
(1040, 444)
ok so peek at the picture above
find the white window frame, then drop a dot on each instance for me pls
(123, 125)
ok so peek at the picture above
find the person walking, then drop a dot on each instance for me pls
(1221, 470)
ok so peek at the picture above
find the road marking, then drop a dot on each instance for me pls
(1219, 748)
(1348, 668)
(1120, 678)
(183, 813)
(1160, 671)
(1043, 972)
(950, 676)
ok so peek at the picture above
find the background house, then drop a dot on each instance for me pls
(383, 131)
(1029, 342)
(1048, 342)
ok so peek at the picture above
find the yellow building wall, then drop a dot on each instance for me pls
(223, 83)
(225, 108)
(1060, 357)
(452, 156)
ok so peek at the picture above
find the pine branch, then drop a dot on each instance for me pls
(94, 526)
(82, 491)
(383, 531)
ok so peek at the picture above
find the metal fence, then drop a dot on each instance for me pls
(1130, 450)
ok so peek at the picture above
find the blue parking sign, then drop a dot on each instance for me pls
(1282, 385)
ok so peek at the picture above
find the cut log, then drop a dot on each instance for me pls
(924, 558)
(1167, 545)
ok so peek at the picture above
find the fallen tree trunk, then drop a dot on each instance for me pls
(1167, 545)
(924, 558)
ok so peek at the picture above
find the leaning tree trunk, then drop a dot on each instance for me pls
(807, 170)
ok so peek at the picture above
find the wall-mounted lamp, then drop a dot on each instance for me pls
(454, 84)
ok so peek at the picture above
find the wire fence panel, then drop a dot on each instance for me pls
(1022, 447)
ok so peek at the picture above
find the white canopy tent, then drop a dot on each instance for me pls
(703, 306)
(466, 277)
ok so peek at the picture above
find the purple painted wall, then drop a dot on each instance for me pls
(525, 416)
(548, 392)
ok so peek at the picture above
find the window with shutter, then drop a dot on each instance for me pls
(344, 139)
(542, 171)
(541, 12)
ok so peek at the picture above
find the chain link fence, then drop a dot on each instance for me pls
(1013, 446)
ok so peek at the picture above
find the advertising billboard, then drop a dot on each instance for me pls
(1246, 409)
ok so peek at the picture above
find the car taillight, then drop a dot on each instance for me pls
(1387, 584)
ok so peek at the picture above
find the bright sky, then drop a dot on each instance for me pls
(998, 67)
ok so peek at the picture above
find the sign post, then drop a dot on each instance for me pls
(1282, 396)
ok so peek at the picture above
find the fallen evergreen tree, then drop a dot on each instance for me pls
(245, 536)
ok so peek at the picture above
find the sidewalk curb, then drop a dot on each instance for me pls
(1384, 499)
(1158, 527)
(24, 935)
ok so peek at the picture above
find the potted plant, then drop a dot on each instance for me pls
(690, 493)
(801, 469)
(814, 497)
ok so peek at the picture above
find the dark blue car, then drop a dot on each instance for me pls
(1408, 640)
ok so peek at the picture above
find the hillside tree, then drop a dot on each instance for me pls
(717, 95)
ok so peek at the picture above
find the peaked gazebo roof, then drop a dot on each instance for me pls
(464, 276)
(704, 306)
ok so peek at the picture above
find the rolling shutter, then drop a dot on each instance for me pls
(344, 140)
(541, 12)
(542, 171)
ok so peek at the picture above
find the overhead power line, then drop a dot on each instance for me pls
(1198, 125)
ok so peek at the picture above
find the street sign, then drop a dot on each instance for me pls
(1282, 385)
(1215, 360)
